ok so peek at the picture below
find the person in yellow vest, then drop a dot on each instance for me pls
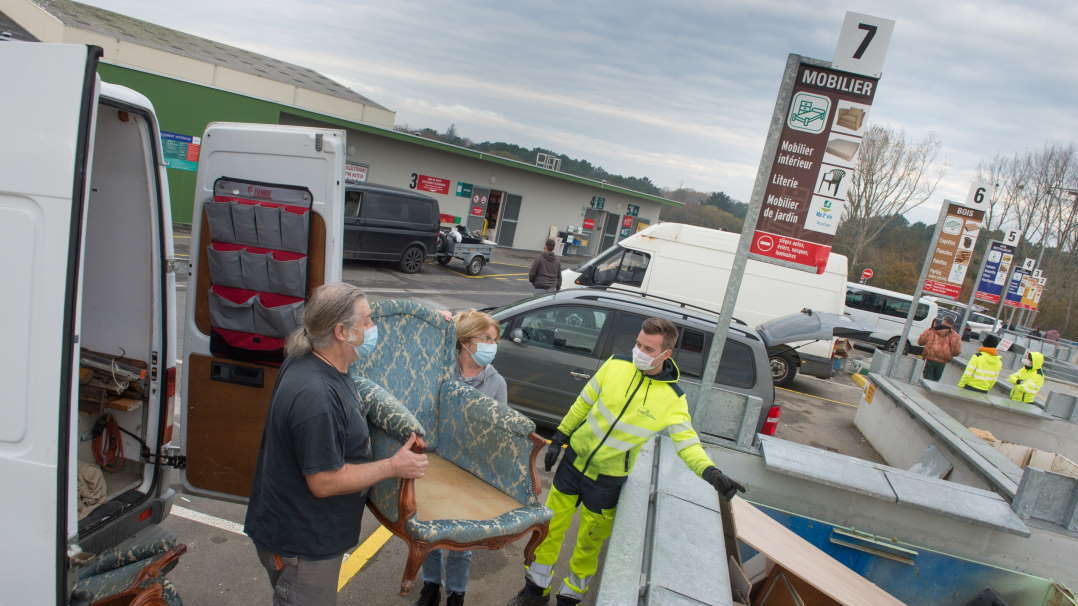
(627, 402)
(1029, 379)
(983, 367)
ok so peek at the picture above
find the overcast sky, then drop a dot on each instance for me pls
(678, 91)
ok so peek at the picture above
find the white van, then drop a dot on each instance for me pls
(691, 265)
(89, 314)
(885, 311)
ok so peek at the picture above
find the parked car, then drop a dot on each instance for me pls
(691, 264)
(383, 223)
(884, 311)
(553, 343)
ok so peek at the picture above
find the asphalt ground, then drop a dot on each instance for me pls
(221, 568)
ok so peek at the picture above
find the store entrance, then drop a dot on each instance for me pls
(494, 208)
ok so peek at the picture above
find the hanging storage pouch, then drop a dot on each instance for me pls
(232, 308)
(255, 262)
(277, 315)
(288, 273)
(224, 260)
(219, 216)
(243, 222)
(294, 228)
(268, 222)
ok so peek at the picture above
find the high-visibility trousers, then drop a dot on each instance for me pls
(592, 533)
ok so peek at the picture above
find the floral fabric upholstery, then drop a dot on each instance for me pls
(407, 385)
(114, 570)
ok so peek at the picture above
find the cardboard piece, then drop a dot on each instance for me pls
(812, 568)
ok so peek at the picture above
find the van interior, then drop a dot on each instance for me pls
(122, 339)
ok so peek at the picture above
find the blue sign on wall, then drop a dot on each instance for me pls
(1000, 258)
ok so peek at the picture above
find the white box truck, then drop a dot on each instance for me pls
(691, 265)
(89, 371)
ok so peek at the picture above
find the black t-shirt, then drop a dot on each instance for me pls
(314, 424)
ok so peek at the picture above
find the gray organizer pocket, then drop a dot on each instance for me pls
(288, 277)
(232, 316)
(277, 321)
(225, 267)
(255, 270)
(268, 222)
(294, 228)
(219, 216)
(243, 222)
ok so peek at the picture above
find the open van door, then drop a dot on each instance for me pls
(267, 231)
(47, 115)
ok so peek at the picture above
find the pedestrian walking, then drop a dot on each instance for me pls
(545, 272)
(477, 344)
(315, 462)
(941, 344)
(983, 368)
(627, 402)
(1029, 379)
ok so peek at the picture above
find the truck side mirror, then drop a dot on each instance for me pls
(587, 276)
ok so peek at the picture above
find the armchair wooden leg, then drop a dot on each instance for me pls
(417, 552)
(533, 543)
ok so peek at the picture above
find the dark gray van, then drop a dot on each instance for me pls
(383, 223)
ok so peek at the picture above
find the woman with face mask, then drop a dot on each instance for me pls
(477, 344)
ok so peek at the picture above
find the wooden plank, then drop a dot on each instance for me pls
(804, 560)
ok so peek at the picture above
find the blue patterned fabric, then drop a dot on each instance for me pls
(114, 570)
(468, 531)
(407, 384)
(415, 354)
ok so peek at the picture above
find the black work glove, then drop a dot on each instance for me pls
(554, 450)
(724, 484)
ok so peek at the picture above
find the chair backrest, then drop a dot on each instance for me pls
(416, 353)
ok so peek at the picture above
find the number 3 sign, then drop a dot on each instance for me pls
(862, 45)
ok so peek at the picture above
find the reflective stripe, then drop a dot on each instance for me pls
(678, 428)
(594, 385)
(611, 441)
(540, 574)
(584, 396)
(574, 587)
(627, 427)
(686, 443)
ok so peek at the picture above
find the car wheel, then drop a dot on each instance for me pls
(475, 266)
(444, 260)
(412, 260)
(783, 369)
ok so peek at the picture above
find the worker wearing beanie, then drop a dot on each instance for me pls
(1029, 379)
(983, 367)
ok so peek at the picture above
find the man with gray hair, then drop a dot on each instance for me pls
(315, 463)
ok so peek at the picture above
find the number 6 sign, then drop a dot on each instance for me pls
(980, 194)
(862, 45)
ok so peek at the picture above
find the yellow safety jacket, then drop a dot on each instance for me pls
(620, 409)
(982, 370)
(1028, 381)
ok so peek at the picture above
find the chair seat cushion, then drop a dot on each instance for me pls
(447, 492)
(473, 531)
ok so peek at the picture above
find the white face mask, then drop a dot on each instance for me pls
(642, 360)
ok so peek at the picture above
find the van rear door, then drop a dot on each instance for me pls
(268, 229)
(48, 113)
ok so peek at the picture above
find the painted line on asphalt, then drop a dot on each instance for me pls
(498, 276)
(207, 519)
(817, 397)
(363, 554)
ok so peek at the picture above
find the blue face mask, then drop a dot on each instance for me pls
(370, 340)
(484, 353)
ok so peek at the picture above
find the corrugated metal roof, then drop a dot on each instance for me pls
(122, 27)
(8, 26)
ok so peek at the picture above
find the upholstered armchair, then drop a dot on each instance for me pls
(481, 487)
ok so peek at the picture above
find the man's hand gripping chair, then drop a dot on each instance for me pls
(481, 487)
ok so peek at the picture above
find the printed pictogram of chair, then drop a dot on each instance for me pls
(833, 178)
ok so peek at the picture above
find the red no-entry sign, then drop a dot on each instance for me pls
(867, 273)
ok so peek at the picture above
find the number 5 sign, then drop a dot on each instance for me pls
(863, 43)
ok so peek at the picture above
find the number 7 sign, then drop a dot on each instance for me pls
(862, 45)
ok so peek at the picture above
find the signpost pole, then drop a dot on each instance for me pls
(741, 257)
(973, 293)
(917, 292)
(1007, 286)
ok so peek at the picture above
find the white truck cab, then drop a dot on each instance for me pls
(89, 374)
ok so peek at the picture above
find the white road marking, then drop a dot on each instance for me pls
(207, 519)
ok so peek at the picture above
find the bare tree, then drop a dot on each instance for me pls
(894, 175)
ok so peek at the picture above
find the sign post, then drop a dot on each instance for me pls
(799, 154)
(866, 274)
